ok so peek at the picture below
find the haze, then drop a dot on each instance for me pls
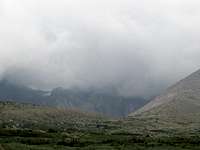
(139, 47)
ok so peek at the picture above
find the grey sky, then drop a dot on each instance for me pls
(138, 46)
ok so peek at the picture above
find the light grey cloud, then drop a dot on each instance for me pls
(141, 47)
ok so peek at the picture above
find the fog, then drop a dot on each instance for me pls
(139, 47)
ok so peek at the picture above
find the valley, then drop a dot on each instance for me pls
(170, 121)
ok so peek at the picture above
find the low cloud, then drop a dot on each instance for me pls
(140, 47)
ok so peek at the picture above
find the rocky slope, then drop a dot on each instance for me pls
(179, 104)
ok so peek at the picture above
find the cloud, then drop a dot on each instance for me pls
(141, 47)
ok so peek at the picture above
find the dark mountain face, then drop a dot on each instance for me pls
(105, 101)
(19, 93)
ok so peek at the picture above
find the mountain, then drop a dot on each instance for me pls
(170, 121)
(179, 104)
(20, 93)
(105, 101)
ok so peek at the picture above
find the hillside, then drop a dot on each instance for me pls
(179, 104)
(20, 115)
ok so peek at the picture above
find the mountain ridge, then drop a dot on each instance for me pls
(105, 101)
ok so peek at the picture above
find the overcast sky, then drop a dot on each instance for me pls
(138, 46)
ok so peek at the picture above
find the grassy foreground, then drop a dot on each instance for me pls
(27, 127)
(16, 139)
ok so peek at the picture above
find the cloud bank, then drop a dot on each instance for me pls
(140, 47)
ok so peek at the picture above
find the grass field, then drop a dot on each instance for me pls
(72, 139)
(27, 127)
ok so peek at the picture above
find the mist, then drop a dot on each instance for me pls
(139, 47)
